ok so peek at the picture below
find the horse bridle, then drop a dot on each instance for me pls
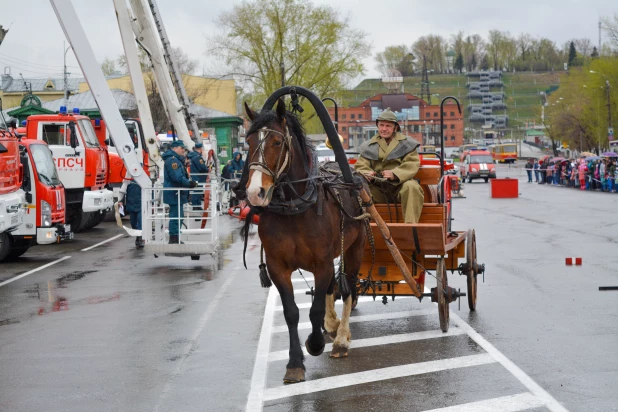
(260, 164)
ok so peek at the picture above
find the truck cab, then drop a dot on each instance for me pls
(82, 164)
(44, 222)
(117, 169)
(477, 164)
(12, 197)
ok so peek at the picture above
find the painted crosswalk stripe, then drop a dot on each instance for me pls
(361, 299)
(513, 403)
(376, 375)
(382, 340)
(366, 318)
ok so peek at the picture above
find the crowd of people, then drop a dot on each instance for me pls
(591, 173)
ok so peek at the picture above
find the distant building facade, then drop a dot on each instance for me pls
(418, 120)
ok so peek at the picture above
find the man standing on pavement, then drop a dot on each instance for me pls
(199, 173)
(536, 170)
(393, 159)
(529, 167)
(175, 175)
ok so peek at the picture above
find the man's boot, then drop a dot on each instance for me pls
(139, 242)
(173, 240)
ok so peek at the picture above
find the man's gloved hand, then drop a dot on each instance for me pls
(193, 184)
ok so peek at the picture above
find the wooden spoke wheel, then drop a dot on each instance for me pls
(472, 271)
(441, 287)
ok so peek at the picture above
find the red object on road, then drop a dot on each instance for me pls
(504, 188)
(242, 214)
(577, 260)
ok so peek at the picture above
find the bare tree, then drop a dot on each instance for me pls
(399, 58)
(108, 66)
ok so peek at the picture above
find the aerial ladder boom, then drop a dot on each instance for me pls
(76, 36)
(171, 62)
(145, 35)
(137, 79)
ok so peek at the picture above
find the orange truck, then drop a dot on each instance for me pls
(81, 161)
(477, 164)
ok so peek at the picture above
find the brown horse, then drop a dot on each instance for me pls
(303, 235)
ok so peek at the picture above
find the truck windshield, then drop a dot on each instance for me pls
(85, 127)
(481, 159)
(44, 163)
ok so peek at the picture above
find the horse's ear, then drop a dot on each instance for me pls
(281, 109)
(250, 113)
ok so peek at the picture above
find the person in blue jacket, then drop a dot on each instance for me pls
(175, 175)
(237, 164)
(132, 202)
(199, 171)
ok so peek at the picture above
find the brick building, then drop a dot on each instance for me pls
(418, 120)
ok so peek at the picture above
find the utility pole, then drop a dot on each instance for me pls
(282, 66)
(609, 110)
(425, 93)
(65, 87)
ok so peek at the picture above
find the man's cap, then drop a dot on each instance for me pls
(388, 116)
(178, 143)
(199, 145)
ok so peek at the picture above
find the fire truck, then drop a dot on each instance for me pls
(81, 161)
(44, 221)
(12, 197)
(146, 149)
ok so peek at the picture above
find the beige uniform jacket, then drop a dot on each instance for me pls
(404, 167)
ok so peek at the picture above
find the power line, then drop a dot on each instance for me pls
(21, 69)
(28, 63)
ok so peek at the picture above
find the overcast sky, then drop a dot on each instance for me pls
(34, 43)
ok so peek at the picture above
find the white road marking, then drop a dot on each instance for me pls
(301, 280)
(366, 318)
(258, 379)
(102, 243)
(382, 340)
(513, 403)
(548, 400)
(6, 282)
(376, 375)
(361, 299)
(196, 334)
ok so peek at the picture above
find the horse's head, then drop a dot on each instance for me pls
(270, 153)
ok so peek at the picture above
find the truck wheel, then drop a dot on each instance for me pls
(6, 242)
(469, 180)
(486, 179)
(17, 252)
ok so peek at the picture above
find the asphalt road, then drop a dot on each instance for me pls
(114, 329)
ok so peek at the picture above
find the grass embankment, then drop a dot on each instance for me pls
(522, 90)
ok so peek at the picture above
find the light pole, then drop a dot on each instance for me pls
(65, 87)
(609, 107)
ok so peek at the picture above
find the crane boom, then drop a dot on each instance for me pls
(137, 79)
(144, 33)
(74, 32)
(173, 67)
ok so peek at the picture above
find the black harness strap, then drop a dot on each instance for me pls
(417, 244)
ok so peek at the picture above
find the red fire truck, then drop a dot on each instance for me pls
(81, 161)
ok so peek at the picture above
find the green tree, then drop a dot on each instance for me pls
(484, 63)
(314, 45)
(459, 63)
(572, 53)
(396, 57)
(108, 66)
(595, 53)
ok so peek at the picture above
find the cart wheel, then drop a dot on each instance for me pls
(472, 268)
(442, 302)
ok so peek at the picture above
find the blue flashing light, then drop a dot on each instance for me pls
(97, 122)
(23, 122)
(63, 110)
(75, 110)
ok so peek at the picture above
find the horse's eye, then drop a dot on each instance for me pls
(277, 143)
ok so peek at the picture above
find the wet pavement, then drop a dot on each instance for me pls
(114, 329)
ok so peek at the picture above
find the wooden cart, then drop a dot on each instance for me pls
(430, 244)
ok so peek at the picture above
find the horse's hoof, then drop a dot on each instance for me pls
(339, 352)
(294, 375)
(314, 352)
